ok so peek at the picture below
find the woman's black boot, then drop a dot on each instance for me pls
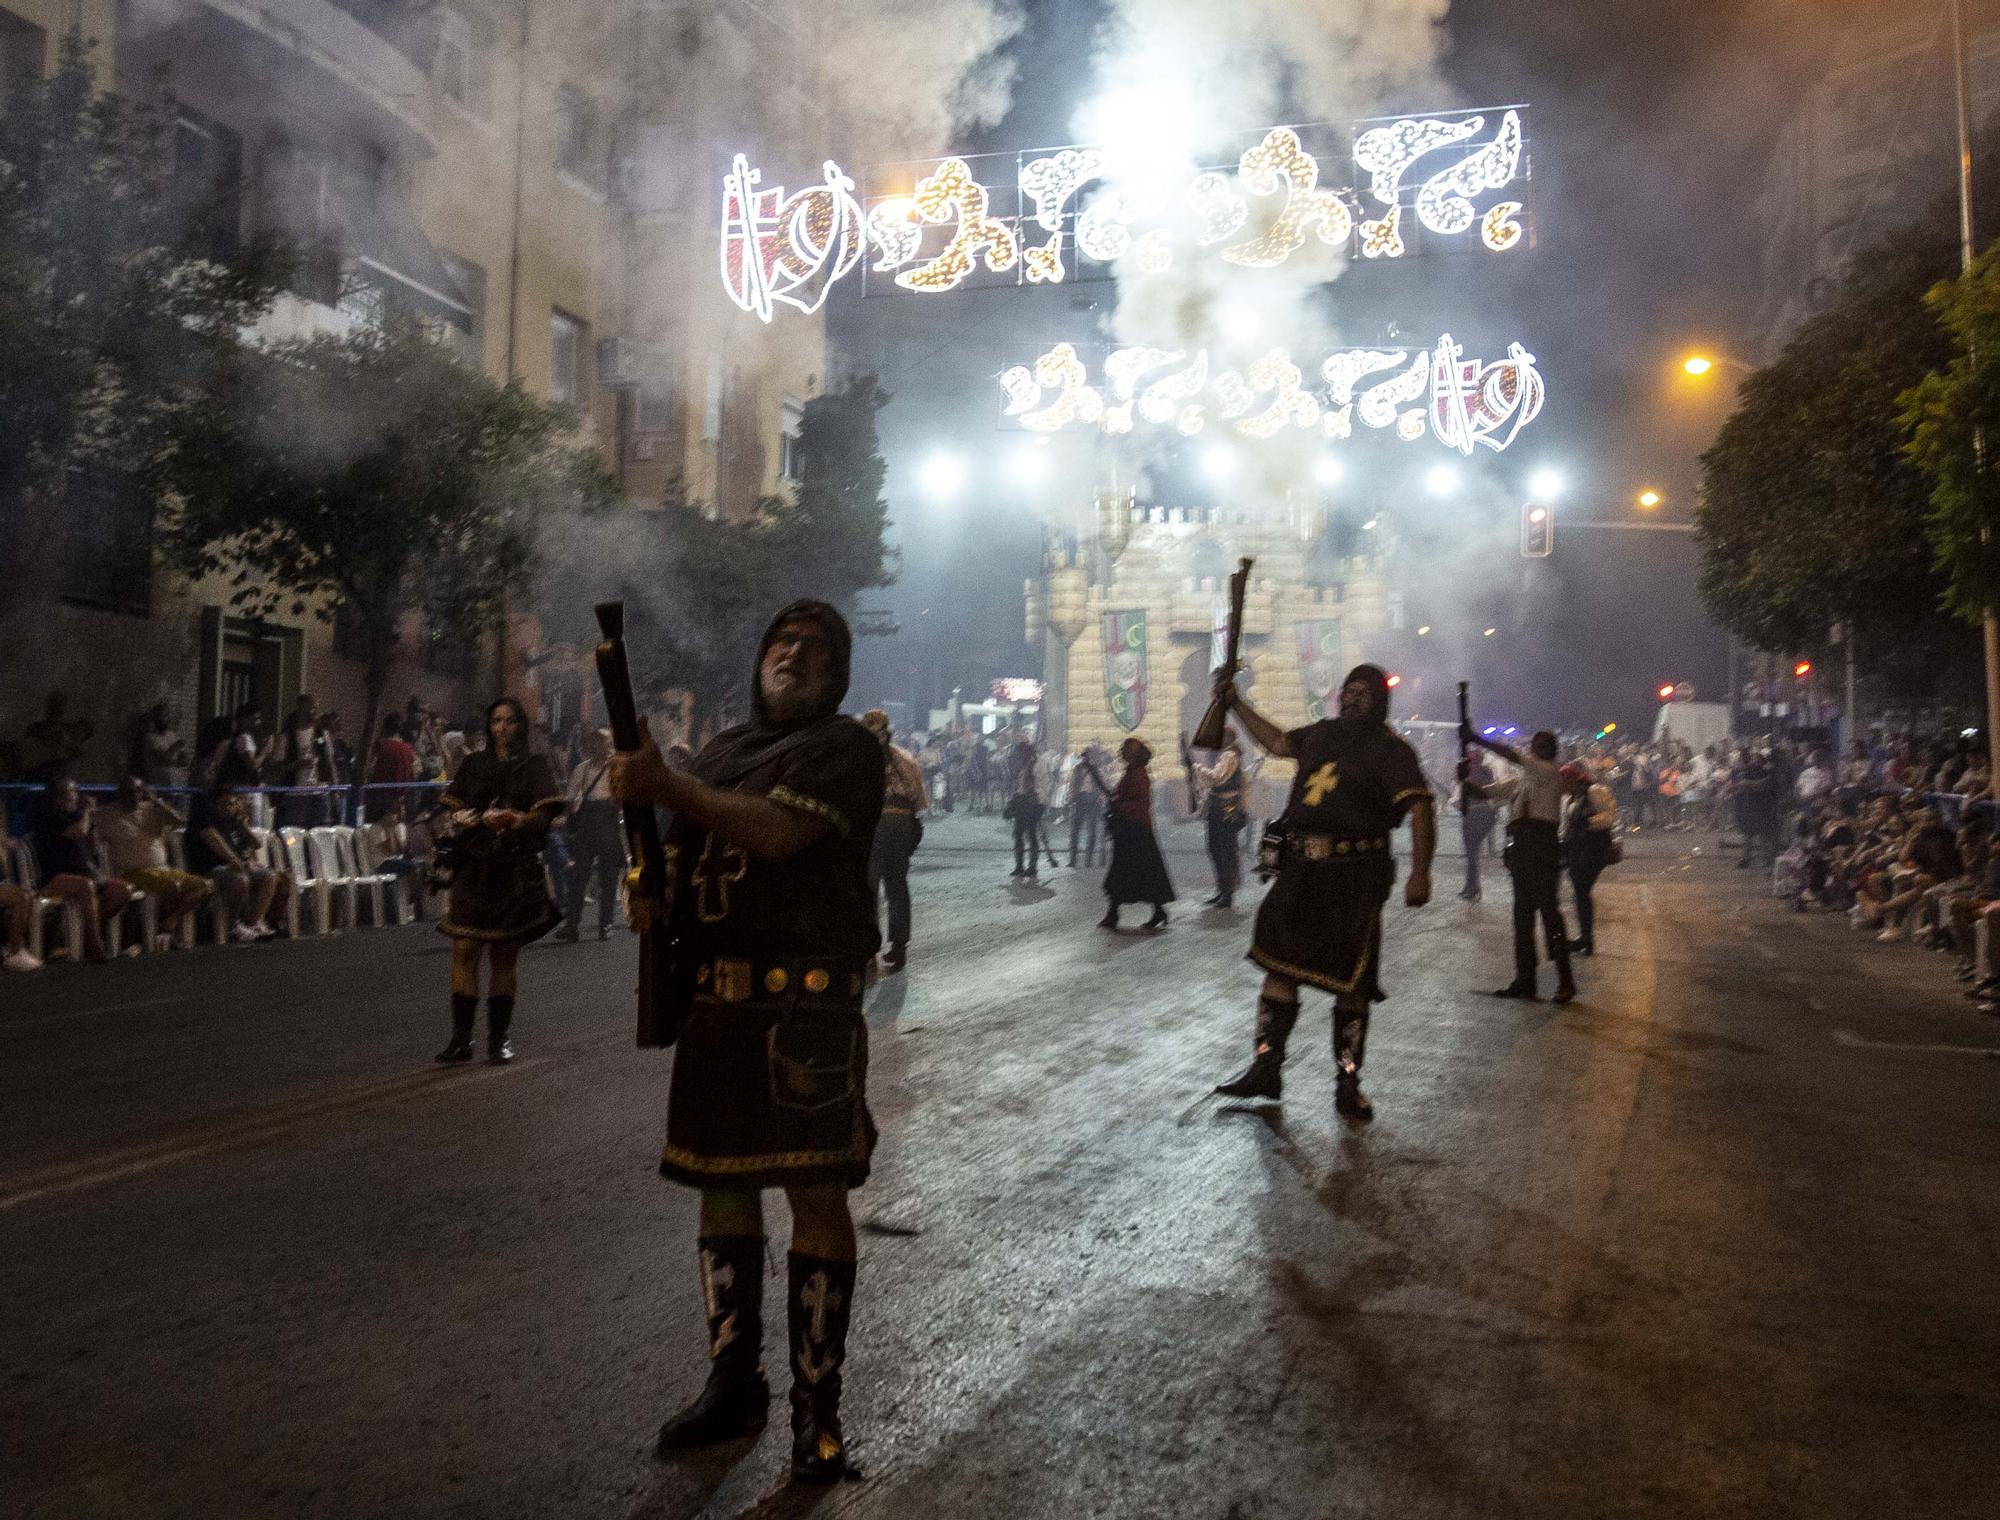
(499, 1018)
(464, 1009)
(735, 1399)
(821, 1298)
(1159, 918)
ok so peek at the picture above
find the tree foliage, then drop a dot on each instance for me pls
(115, 308)
(1952, 417)
(699, 589)
(374, 473)
(1810, 511)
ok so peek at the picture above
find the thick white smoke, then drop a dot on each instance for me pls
(1186, 83)
(905, 78)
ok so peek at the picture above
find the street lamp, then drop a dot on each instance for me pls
(942, 475)
(1650, 499)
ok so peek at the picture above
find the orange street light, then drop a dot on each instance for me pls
(1697, 364)
(1650, 499)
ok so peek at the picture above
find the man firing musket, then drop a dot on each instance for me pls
(1321, 922)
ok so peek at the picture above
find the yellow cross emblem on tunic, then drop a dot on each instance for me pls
(713, 873)
(1320, 782)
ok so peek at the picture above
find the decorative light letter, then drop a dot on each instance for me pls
(792, 251)
(953, 192)
(1279, 162)
(1442, 204)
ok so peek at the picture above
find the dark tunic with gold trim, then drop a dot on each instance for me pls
(1321, 922)
(770, 1072)
(499, 890)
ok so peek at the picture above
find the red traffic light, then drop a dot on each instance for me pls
(1802, 669)
(1394, 682)
(1667, 692)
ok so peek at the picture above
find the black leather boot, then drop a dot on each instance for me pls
(735, 1399)
(1350, 1043)
(821, 1298)
(499, 1018)
(464, 1009)
(1264, 1078)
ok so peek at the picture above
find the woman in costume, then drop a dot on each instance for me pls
(503, 800)
(1138, 871)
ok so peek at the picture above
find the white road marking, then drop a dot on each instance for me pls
(1849, 1038)
(89, 1013)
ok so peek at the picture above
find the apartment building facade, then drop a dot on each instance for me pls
(533, 177)
(1871, 144)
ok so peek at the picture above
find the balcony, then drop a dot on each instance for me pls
(307, 64)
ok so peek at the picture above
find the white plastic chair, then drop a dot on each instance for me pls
(218, 910)
(379, 890)
(335, 874)
(25, 873)
(288, 853)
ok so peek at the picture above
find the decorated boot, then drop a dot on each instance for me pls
(736, 1398)
(1350, 1042)
(821, 1298)
(1264, 1077)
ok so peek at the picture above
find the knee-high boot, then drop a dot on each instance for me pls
(736, 1397)
(464, 1009)
(821, 1300)
(1263, 1078)
(1350, 1044)
(499, 1019)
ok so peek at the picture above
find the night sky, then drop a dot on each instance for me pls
(1652, 128)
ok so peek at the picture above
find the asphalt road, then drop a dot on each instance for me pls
(1722, 1238)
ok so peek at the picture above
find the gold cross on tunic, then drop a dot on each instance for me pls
(712, 876)
(1320, 782)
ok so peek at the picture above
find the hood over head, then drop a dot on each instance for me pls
(1377, 681)
(840, 645)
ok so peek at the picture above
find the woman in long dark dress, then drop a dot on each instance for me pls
(1138, 871)
(503, 801)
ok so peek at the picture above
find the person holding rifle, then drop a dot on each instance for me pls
(1534, 798)
(1321, 922)
(1225, 814)
(773, 922)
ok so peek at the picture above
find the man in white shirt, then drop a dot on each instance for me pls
(596, 836)
(1534, 799)
(1815, 781)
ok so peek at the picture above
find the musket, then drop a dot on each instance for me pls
(1187, 764)
(1208, 733)
(646, 881)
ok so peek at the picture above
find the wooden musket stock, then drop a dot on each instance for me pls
(1215, 720)
(646, 881)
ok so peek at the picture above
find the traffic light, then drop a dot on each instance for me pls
(1538, 530)
(1394, 682)
(1667, 692)
(1802, 669)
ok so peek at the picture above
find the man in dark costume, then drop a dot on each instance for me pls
(1321, 922)
(774, 925)
(1224, 813)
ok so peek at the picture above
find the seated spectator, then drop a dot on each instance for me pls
(17, 915)
(221, 847)
(135, 830)
(401, 850)
(1928, 859)
(63, 828)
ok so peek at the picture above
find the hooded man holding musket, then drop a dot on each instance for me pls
(773, 922)
(1321, 922)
